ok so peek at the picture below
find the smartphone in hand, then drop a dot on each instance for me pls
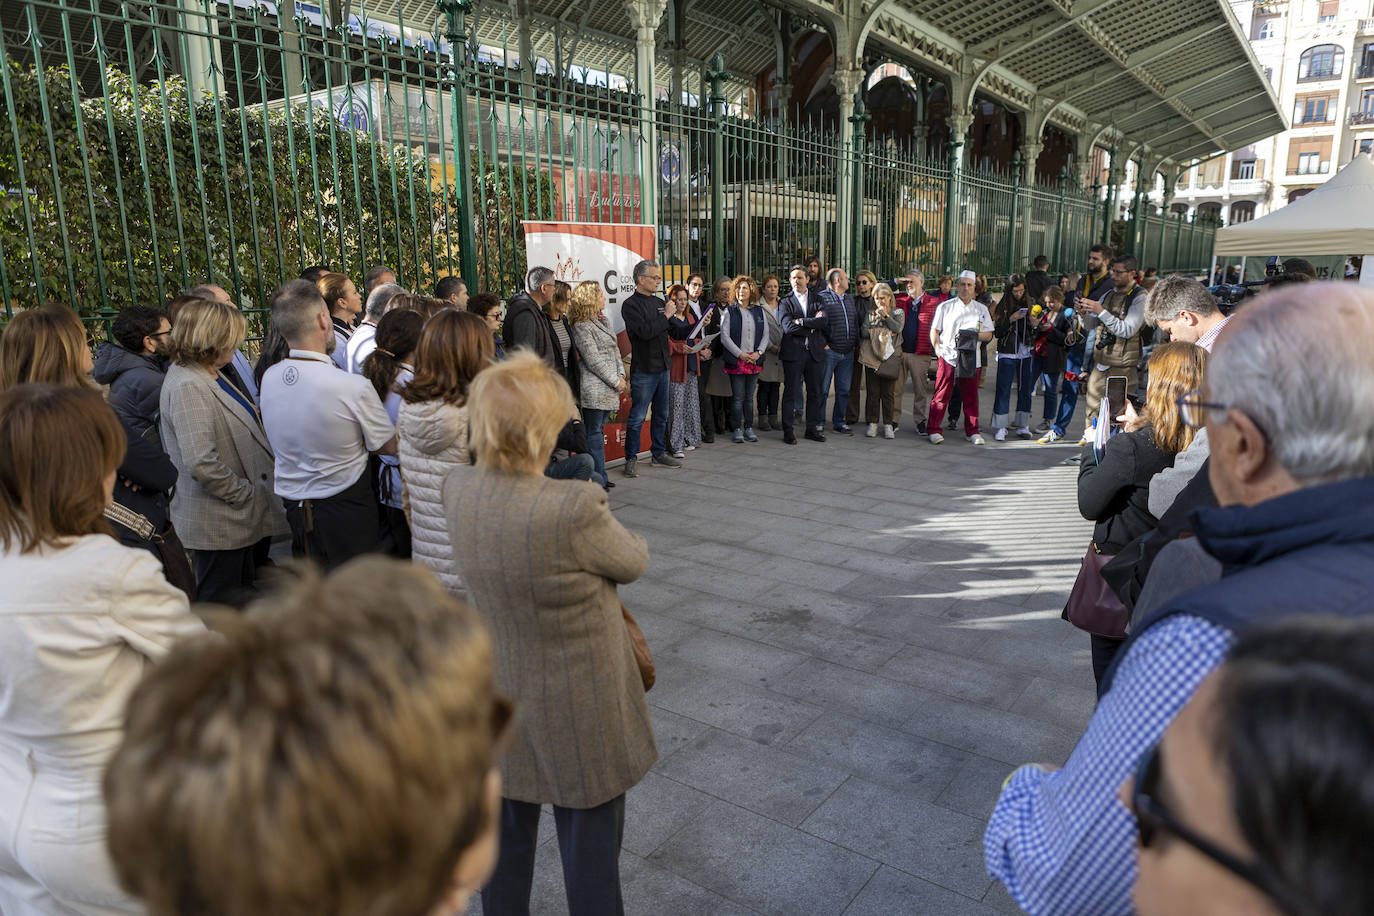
(1116, 395)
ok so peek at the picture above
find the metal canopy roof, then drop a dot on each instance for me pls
(1174, 78)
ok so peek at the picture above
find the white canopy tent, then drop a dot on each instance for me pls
(1335, 219)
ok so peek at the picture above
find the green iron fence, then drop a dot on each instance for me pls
(148, 146)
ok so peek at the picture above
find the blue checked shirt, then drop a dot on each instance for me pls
(1062, 842)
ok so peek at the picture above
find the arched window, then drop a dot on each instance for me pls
(1179, 210)
(1210, 212)
(1266, 30)
(1242, 211)
(1299, 193)
(1321, 63)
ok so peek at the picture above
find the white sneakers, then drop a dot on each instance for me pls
(889, 432)
(1024, 433)
(872, 430)
(1050, 438)
(936, 438)
(1001, 434)
(976, 439)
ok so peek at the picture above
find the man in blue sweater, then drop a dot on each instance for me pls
(841, 336)
(1294, 535)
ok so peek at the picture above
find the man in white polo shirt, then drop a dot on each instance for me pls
(958, 365)
(322, 424)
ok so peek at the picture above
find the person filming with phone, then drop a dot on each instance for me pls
(1114, 486)
(1121, 316)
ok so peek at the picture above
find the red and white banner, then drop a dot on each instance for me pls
(607, 254)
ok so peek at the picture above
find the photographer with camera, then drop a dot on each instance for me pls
(1121, 317)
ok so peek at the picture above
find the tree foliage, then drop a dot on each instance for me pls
(134, 195)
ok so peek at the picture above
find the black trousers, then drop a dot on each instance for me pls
(703, 401)
(858, 379)
(791, 387)
(225, 576)
(1104, 651)
(589, 844)
(812, 372)
(334, 530)
(768, 398)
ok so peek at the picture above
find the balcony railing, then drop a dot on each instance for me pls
(1241, 187)
(1320, 75)
(1315, 121)
(1361, 117)
(1365, 72)
(1321, 169)
(1367, 26)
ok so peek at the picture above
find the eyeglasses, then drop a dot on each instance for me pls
(161, 333)
(1119, 271)
(1192, 410)
(1153, 818)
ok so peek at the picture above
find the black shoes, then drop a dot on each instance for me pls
(920, 429)
(844, 430)
(815, 435)
(630, 470)
(788, 438)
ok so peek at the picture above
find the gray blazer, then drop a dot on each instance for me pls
(601, 364)
(223, 498)
(543, 576)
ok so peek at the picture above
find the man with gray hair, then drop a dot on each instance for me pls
(1287, 411)
(1183, 307)
(527, 324)
(364, 339)
(322, 424)
(649, 322)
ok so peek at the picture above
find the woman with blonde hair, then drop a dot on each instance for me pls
(224, 502)
(543, 574)
(602, 369)
(432, 430)
(344, 304)
(1114, 488)
(744, 339)
(81, 618)
(880, 345)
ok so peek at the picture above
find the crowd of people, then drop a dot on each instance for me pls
(176, 761)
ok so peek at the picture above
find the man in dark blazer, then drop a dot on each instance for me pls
(803, 356)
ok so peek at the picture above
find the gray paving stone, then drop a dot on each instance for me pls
(765, 865)
(770, 781)
(732, 656)
(920, 838)
(736, 706)
(974, 788)
(833, 642)
(1061, 705)
(657, 808)
(880, 755)
(671, 731)
(650, 889)
(996, 733)
(890, 892)
(861, 695)
(956, 676)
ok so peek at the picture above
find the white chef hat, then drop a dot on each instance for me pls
(967, 275)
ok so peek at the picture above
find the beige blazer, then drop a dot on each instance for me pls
(224, 498)
(542, 572)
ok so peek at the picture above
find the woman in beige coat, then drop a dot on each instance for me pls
(543, 572)
(81, 617)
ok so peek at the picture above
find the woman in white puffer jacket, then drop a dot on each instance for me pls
(432, 430)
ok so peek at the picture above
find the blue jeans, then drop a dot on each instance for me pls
(647, 388)
(595, 421)
(1010, 369)
(1040, 372)
(840, 366)
(742, 388)
(1068, 391)
(575, 467)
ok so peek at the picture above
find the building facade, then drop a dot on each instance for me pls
(1319, 57)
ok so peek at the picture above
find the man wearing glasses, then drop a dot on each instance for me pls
(1294, 539)
(1121, 315)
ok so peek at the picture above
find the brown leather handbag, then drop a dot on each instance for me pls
(1092, 605)
(643, 657)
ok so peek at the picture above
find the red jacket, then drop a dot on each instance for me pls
(916, 334)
